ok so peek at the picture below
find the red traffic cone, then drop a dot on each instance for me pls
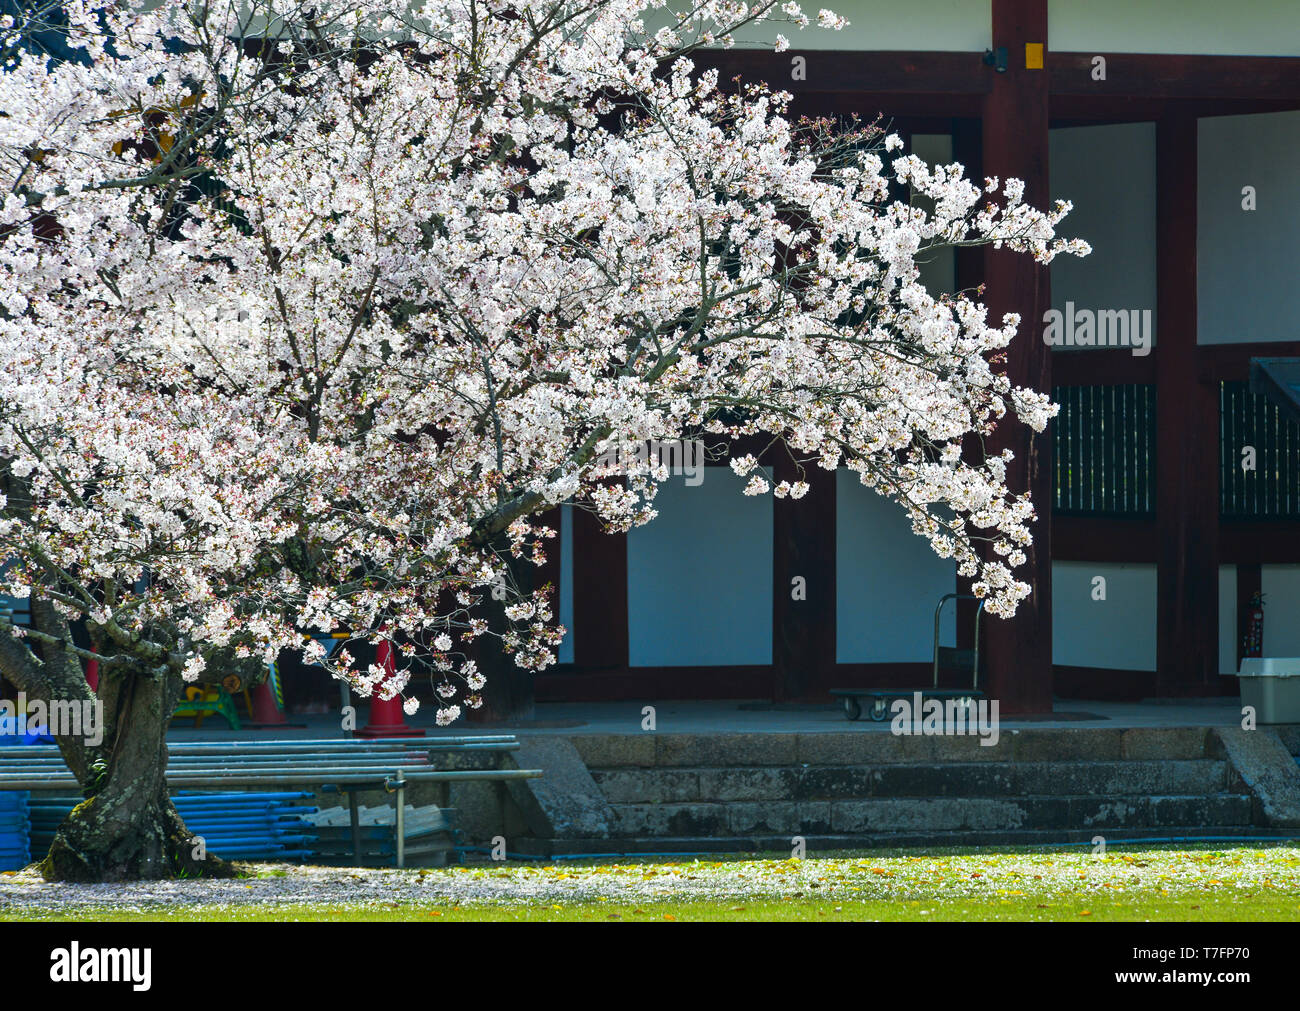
(387, 719)
(265, 713)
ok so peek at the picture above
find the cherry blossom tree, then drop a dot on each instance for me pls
(307, 313)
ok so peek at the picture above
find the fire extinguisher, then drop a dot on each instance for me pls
(1253, 642)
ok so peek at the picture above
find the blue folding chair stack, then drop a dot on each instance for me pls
(15, 806)
(237, 826)
(15, 831)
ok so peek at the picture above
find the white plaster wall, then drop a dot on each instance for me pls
(1109, 174)
(700, 576)
(1227, 619)
(1247, 260)
(888, 581)
(938, 273)
(1240, 28)
(1116, 633)
(951, 25)
(1281, 586)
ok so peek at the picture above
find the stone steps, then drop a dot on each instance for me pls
(780, 845)
(865, 788)
(931, 815)
(876, 747)
(681, 785)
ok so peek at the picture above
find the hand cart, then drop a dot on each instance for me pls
(877, 700)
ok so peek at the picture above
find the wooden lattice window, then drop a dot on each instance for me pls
(1104, 450)
(1264, 481)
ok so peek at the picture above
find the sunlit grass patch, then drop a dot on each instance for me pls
(1204, 882)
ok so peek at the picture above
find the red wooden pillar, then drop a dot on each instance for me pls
(803, 588)
(1187, 448)
(549, 572)
(1014, 144)
(600, 632)
(510, 694)
(968, 271)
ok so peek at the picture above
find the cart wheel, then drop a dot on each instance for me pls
(879, 710)
(851, 708)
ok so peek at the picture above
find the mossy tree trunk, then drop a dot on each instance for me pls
(128, 828)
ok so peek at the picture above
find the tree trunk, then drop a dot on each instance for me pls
(128, 828)
(508, 695)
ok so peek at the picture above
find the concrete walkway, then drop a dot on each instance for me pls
(694, 717)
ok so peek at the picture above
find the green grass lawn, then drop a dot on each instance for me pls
(1185, 883)
(799, 910)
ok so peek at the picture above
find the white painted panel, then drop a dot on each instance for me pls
(1246, 260)
(1116, 633)
(1109, 174)
(1227, 619)
(888, 581)
(938, 273)
(1241, 28)
(565, 653)
(948, 25)
(1281, 586)
(699, 576)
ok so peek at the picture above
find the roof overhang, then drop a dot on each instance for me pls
(1279, 380)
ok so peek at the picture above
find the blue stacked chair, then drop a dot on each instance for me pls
(236, 826)
(15, 806)
(15, 831)
(15, 823)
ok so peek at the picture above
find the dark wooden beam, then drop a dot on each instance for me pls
(600, 631)
(1077, 538)
(888, 106)
(1139, 87)
(968, 276)
(1102, 367)
(1231, 362)
(1195, 76)
(1214, 363)
(1098, 110)
(1103, 684)
(549, 572)
(1187, 450)
(1014, 145)
(803, 550)
(1253, 542)
(852, 71)
(1104, 539)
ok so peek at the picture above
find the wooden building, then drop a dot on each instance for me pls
(1174, 127)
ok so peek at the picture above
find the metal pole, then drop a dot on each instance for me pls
(401, 819)
(346, 701)
(354, 817)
